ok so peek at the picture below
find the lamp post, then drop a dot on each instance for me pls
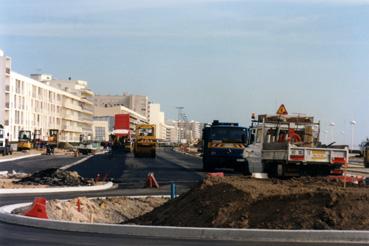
(332, 124)
(353, 123)
(326, 136)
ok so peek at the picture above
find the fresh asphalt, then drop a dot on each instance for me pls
(130, 174)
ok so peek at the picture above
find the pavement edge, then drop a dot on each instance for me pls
(255, 235)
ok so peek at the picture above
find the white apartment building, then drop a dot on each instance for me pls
(157, 118)
(28, 104)
(137, 103)
(186, 131)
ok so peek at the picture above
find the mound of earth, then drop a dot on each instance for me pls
(55, 177)
(111, 210)
(240, 202)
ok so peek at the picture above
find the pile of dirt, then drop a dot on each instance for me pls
(55, 177)
(240, 202)
(113, 210)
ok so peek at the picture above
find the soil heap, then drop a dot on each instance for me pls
(112, 210)
(55, 177)
(240, 202)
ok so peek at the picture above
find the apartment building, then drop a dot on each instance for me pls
(186, 131)
(31, 104)
(137, 103)
(157, 118)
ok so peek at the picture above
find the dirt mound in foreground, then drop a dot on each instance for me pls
(239, 202)
(55, 177)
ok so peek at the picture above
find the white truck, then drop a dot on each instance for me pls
(285, 145)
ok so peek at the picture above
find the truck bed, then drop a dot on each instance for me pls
(291, 153)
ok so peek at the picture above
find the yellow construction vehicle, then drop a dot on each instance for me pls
(52, 139)
(24, 140)
(145, 143)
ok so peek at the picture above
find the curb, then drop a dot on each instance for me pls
(254, 235)
(184, 153)
(19, 158)
(56, 189)
(80, 161)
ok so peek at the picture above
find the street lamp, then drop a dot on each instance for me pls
(332, 124)
(353, 123)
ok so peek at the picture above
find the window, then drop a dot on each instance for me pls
(100, 133)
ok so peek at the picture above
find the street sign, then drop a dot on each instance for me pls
(282, 110)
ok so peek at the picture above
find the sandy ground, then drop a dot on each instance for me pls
(112, 210)
(8, 184)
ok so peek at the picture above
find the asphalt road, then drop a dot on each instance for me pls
(130, 173)
(37, 163)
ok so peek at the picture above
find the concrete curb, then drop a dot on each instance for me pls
(56, 189)
(20, 157)
(177, 151)
(255, 235)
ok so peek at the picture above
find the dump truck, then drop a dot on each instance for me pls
(223, 145)
(5, 148)
(145, 142)
(24, 140)
(284, 145)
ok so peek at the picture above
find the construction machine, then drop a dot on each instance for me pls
(145, 143)
(24, 140)
(37, 139)
(52, 141)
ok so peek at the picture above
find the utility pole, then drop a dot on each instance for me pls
(353, 123)
(180, 116)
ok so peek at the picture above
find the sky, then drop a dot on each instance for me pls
(219, 59)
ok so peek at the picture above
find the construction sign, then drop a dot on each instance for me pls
(282, 110)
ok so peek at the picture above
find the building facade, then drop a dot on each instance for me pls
(108, 113)
(189, 132)
(157, 118)
(32, 105)
(137, 103)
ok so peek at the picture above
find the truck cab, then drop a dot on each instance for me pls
(223, 145)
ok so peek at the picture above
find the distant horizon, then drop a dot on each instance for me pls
(219, 59)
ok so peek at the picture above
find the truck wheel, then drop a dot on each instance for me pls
(271, 169)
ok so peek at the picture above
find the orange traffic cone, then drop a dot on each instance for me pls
(151, 181)
(38, 209)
